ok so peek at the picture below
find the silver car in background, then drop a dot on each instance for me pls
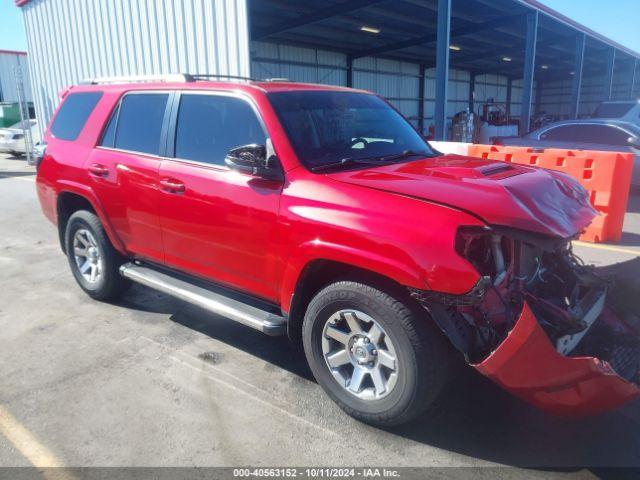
(588, 134)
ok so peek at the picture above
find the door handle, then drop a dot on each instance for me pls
(172, 185)
(98, 170)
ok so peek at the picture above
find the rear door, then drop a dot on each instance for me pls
(217, 223)
(124, 170)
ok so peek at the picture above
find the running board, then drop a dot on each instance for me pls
(248, 315)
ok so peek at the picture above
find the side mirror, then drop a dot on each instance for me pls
(253, 160)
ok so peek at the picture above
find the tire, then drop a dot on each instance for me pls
(84, 226)
(423, 359)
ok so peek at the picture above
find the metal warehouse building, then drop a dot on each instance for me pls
(9, 61)
(431, 58)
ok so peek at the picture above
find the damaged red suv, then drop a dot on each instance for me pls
(320, 213)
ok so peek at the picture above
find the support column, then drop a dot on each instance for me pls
(349, 71)
(538, 100)
(633, 77)
(442, 68)
(529, 70)
(608, 76)
(472, 89)
(509, 96)
(577, 75)
(422, 79)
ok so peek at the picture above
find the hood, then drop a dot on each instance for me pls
(505, 194)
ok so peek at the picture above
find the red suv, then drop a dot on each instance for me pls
(319, 212)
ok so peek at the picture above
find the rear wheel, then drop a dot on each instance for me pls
(93, 260)
(376, 354)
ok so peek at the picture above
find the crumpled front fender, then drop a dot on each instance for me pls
(527, 365)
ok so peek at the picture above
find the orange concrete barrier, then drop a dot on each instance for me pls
(605, 175)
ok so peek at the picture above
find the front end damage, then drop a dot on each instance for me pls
(561, 335)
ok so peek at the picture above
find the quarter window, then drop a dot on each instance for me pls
(73, 114)
(208, 126)
(139, 122)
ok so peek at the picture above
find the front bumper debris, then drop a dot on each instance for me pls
(527, 365)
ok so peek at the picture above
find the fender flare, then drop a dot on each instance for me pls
(308, 252)
(86, 192)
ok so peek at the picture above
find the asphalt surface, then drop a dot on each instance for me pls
(150, 381)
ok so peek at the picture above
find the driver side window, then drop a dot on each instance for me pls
(208, 126)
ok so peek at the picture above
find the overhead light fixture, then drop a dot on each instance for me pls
(544, 67)
(368, 29)
(572, 73)
(455, 48)
(506, 59)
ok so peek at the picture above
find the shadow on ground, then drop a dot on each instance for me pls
(11, 174)
(480, 421)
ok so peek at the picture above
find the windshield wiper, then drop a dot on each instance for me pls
(374, 160)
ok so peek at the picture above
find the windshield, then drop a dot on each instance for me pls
(325, 127)
(613, 110)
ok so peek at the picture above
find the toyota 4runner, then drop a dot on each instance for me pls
(320, 213)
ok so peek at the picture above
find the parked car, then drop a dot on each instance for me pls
(590, 134)
(320, 213)
(622, 110)
(12, 139)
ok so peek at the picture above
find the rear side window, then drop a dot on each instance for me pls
(209, 126)
(139, 123)
(73, 114)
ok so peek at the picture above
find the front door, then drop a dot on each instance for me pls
(217, 223)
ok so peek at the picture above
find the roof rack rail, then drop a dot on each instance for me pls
(205, 76)
(171, 77)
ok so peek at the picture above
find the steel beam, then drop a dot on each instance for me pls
(421, 94)
(577, 75)
(608, 75)
(509, 95)
(349, 71)
(313, 17)
(633, 77)
(472, 91)
(529, 70)
(442, 68)
(538, 101)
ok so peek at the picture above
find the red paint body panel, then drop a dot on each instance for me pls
(527, 365)
(479, 186)
(222, 227)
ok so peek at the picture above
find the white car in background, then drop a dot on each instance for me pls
(12, 138)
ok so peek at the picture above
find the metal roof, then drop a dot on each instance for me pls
(12, 52)
(486, 32)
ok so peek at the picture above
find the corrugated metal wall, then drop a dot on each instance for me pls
(398, 81)
(8, 63)
(70, 40)
(556, 96)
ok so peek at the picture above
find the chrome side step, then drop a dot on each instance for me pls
(248, 315)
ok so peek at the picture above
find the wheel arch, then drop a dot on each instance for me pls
(321, 272)
(71, 200)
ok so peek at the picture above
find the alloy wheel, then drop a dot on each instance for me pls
(87, 255)
(359, 354)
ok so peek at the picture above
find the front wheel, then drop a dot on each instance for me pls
(376, 354)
